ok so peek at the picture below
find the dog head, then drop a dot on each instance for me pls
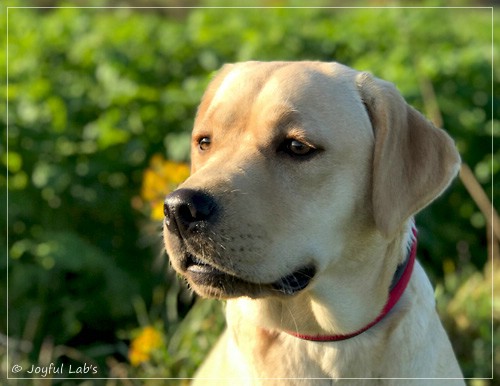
(291, 162)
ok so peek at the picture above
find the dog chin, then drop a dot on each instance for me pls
(210, 282)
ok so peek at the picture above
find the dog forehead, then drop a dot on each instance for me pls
(240, 88)
(310, 87)
(235, 88)
(249, 80)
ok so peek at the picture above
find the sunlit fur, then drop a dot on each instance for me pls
(346, 209)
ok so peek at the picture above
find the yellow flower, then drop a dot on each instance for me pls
(160, 178)
(144, 344)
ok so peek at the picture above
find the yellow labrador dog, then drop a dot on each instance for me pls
(298, 211)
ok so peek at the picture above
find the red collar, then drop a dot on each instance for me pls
(400, 282)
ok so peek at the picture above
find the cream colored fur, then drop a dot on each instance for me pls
(346, 210)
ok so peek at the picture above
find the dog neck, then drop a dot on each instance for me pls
(399, 283)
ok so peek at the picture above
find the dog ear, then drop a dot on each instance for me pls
(413, 161)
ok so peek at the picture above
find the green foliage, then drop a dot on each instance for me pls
(94, 93)
(465, 303)
(187, 343)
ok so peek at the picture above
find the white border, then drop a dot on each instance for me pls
(8, 369)
(492, 198)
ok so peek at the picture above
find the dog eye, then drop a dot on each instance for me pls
(297, 148)
(204, 143)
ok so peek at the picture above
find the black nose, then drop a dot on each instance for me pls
(186, 210)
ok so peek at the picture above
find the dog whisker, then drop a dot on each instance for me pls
(292, 316)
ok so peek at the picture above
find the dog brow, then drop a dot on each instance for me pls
(285, 118)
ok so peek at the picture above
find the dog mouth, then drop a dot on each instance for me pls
(210, 281)
(296, 281)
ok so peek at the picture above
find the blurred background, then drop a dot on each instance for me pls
(98, 110)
